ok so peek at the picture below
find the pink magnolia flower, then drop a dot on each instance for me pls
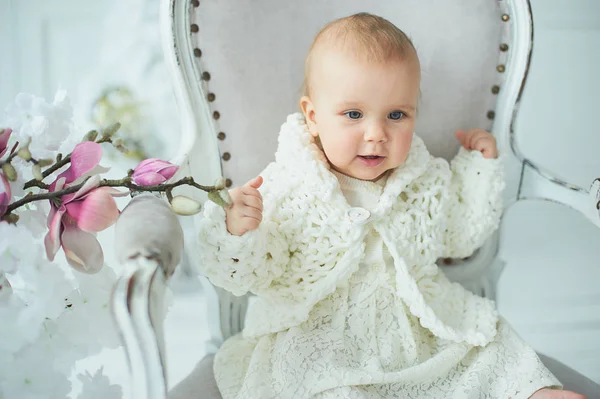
(5, 194)
(4, 136)
(153, 171)
(91, 209)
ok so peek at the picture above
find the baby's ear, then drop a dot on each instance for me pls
(308, 110)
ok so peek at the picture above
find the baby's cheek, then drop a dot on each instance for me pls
(340, 151)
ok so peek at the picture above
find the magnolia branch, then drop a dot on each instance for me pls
(125, 182)
(60, 162)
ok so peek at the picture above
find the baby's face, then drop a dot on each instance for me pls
(363, 113)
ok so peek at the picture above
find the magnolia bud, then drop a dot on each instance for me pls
(217, 198)
(186, 206)
(118, 144)
(90, 136)
(45, 162)
(24, 153)
(220, 183)
(37, 172)
(225, 195)
(9, 171)
(110, 130)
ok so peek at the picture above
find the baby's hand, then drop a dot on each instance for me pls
(480, 140)
(245, 212)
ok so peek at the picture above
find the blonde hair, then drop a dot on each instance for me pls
(366, 36)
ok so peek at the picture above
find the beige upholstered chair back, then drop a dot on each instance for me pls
(251, 56)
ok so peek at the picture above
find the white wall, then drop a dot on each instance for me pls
(48, 44)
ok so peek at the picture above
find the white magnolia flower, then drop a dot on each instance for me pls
(34, 218)
(91, 307)
(31, 375)
(98, 386)
(49, 126)
(14, 248)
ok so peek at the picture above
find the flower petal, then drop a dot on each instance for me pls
(5, 194)
(114, 192)
(148, 179)
(145, 163)
(52, 239)
(57, 184)
(84, 158)
(98, 170)
(89, 185)
(83, 251)
(155, 165)
(4, 136)
(169, 171)
(97, 211)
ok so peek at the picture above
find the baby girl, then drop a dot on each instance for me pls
(338, 240)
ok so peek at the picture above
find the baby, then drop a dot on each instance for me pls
(340, 243)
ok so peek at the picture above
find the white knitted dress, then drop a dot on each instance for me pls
(362, 342)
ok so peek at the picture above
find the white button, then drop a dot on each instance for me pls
(378, 267)
(358, 215)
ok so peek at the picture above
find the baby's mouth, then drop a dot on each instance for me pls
(371, 160)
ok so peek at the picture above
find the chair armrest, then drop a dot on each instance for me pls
(538, 184)
(149, 241)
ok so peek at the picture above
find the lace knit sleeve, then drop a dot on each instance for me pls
(242, 263)
(474, 203)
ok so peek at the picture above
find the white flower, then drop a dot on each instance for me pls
(14, 248)
(49, 126)
(31, 375)
(98, 386)
(91, 308)
(33, 217)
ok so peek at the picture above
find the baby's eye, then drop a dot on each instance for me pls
(396, 115)
(353, 114)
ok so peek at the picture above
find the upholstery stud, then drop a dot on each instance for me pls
(205, 76)
(503, 47)
(216, 115)
(195, 28)
(221, 136)
(505, 17)
(501, 68)
(495, 89)
(226, 156)
(228, 183)
(197, 52)
(491, 114)
(211, 97)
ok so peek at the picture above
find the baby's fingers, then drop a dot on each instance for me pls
(255, 183)
(251, 213)
(253, 201)
(462, 137)
(487, 145)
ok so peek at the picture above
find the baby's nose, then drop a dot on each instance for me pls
(375, 132)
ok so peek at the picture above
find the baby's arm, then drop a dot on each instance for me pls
(244, 254)
(473, 202)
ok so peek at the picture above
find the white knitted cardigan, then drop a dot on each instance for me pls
(307, 245)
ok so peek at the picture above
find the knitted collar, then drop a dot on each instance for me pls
(300, 154)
